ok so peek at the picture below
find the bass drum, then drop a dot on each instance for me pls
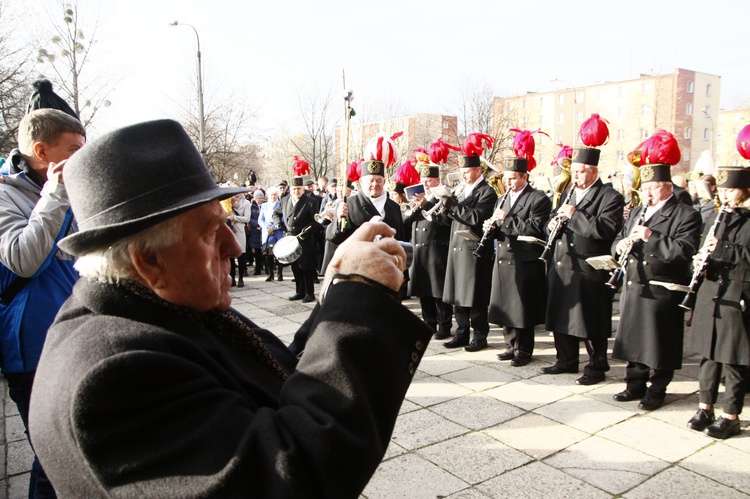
(287, 249)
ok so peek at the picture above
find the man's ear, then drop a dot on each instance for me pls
(40, 151)
(148, 266)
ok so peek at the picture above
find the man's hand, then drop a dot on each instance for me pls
(418, 200)
(487, 225)
(55, 172)
(383, 261)
(269, 230)
(342, 211)
(499, 215)
(640, 232)
(566, 211)
(622, 246)
(711, 243)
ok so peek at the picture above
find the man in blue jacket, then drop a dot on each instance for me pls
(35, 276)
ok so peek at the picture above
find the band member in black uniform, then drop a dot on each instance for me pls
(518, 274)
(721, 325)
(371, 201)
(656, 245)
(579, 302)
(430, 239)
(468, 278)
(297, 212)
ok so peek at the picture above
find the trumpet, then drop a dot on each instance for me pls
(440, 207)
(327, 214)
(616, 274)
(556, 229)
(700, 262)
(492, 227)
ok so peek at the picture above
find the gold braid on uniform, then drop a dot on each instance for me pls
(225, 325)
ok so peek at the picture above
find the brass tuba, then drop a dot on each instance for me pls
(563, 181)
(493, 176)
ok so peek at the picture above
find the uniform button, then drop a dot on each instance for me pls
(508, 245)
(559, 243)
(419, 345)
(455, 249)
(559, 263)
(632, 261)
(460, 249)
(630, 283)
(645, 263)
(414, 357)
(412, 368)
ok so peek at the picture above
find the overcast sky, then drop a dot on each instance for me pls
(414, 54)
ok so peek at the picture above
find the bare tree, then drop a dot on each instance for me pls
(477, 111)
(68, 57)
(229, 132)
(15, 81)
(316, 145)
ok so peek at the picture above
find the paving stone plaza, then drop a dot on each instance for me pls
(474, 427)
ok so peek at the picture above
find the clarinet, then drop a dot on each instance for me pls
(616, 274)
(556, 230)
(492, 227)
(700, 263)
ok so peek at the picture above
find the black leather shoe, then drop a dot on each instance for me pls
(520, 361)
(296, 296)
(506, 355)
(240, 284)
(627, 395)
(559, 370)
(456, 343)
(269, 278)
(441, 335)
(476, 345)
(723, 428)
(702, 419)
(308, 298)
(587, 380)
(651, 402)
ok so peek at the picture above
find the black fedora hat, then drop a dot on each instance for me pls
(133, 178)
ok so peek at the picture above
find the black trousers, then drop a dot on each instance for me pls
(476, 317)
(437, 314)
(242, 266)
(568, 346)
(304, 280)
(637, 375)
(735, 379)
(519, 341)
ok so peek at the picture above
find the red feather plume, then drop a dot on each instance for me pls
(594, 131)
(353, 171)
(407, 174)
(524, 145)
(661, 147)
(300, 167)
(473, 143)
(743, 142)
(565, 152)
(439, 151)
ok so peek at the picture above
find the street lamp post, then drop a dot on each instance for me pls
(711, 135)
(201, 123)
(575, 104)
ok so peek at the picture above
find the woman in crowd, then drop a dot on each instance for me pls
(238, 218)
(269, 235)
(721, 326)
(255, 233)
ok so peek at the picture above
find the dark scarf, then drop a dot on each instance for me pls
(225, 325)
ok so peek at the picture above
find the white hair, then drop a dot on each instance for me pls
(113, 263)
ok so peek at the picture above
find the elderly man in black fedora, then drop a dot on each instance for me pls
(150, 385)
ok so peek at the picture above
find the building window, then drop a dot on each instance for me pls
(525, 104)
(525, 122)
(688, 132)
(620, 112)
(686, 156)
(690, 87)
(620, 155)
(541, 101)
(644, 110)
(644, 134)
(561, 118)
(561, 99)
(689, 108)
(579, 96)
(580, 116)
(706, 134)
(559, 138)
(620, 134)
(620, 91)
(645, 88)
(541, 159)
(708, 90)
(445, 125)
(707, 111)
